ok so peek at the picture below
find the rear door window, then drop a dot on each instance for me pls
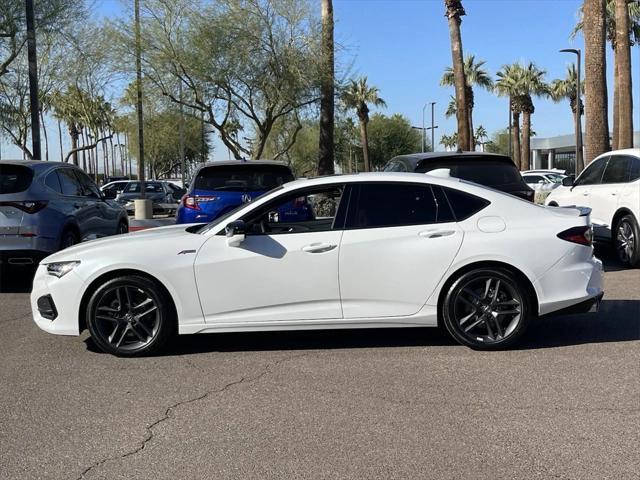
(53, 182)
(69, 183)
(634, 169)
(14, 178)
(242, 178)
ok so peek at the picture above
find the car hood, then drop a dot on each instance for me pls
(128, 244)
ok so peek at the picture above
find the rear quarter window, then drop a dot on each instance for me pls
(14, 178)
(463, 204)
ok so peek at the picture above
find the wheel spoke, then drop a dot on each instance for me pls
(146, 312)
(104, 308)
(508, 312)
(124, 333)
(472, 294)
(140, 305)
(129, 302)
(487, 287)
(137, 334)
(110, 319)
(145, 328)
(113, 334)
(508, 303)
(496, 323)
(467, 317)
(474, 324)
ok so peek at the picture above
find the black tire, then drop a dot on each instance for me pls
(483, 317)
(626, 239)
(68, 239)
(123, 227)
(129, 316)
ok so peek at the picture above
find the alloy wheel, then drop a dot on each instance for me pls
(487, 309)
(625, 240)
(127, 317)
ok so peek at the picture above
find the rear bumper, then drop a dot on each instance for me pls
(22, 257)
(591, 305)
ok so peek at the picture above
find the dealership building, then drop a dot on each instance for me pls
(559, 152)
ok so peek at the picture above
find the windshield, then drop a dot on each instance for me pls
(14, 178)
(242, 178)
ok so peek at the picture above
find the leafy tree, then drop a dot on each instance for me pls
(449, 142)
(391, 136)
(499, 142)
(358, 95)
(475, 75)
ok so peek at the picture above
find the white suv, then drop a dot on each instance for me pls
(610, 186)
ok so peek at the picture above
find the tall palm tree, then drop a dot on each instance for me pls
(508, 85)
(595, 82)
(451, 108)
(475, 75)
(326, 154)
(562, 89)
(454, 12)
(532, 84)
(449, 142)
(358, 95)
(480, 135)
(623, 76)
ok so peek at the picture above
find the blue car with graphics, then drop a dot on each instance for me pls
(219, 187)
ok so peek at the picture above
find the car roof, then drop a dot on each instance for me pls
(375, 177)
(247, 163)
(415, 158)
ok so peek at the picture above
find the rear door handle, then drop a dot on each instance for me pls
(436, 233)
(318, 248)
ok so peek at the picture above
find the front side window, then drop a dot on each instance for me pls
(617, 170)
(149, 187)
(307, 210)
(593, 173)
(397, 204)
(88, 187)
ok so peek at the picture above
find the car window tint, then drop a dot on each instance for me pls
(393, 204)
(617, 170)
(593, 173)
(490, 174)
(533, 178)
(69, 183)
(464, 204)
(14, 178)
(242, 178)
(634, 169)
(52, 181)
(308, 210)
(443, 208)
(149, 187)
(88, 187)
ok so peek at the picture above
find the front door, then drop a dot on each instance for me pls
(605, 195)
(399, 241)
(286, 269)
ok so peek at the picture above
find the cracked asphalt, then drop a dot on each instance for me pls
(332, 404)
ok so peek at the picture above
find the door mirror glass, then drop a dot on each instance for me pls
(235, 232)
(568, 181)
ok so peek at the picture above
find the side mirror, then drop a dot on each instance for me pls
(568, 181)
(235, 232)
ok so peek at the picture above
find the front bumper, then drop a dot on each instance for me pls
(65, 294)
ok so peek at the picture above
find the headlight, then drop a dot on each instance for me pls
(59, 269)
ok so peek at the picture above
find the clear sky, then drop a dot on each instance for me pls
(402, 46)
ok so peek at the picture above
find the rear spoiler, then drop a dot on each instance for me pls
(584, 211)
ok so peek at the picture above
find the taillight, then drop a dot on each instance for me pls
(193, 202)
(27, 206)
(581, 235)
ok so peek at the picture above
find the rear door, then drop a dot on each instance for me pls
(399, 240)
(75, 202)
(102, 217)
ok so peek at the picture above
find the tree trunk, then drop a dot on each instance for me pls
(326, 157)
(365, 145)
(579, 161)
(73, 133)
(623, 75)
(526, 141)
(595, 83)
(516, 139)
(60, 139)
(616, 104)
(454, 11)
(46, 137)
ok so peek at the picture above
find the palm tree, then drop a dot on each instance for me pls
(565, 89)
(326, 155)
(474, 75)
(508, 85)
(480, 135)
(454, 12)
(449, 142)
(451, 108)
(623, 83)
(532, 84)
(358, 95)
(595, 82)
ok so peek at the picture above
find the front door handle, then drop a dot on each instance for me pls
(436, 233)
(318, 248)
(585, 194)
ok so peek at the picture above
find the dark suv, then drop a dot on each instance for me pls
(48, 206)
(488, 169)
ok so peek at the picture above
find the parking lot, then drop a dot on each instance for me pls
(339, 404)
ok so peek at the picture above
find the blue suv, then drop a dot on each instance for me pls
(48, 206)
(219, 187)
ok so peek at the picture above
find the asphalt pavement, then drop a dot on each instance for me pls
(405, 404)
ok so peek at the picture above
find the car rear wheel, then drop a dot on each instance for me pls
(68, 239)
(130, 316)
(122, 228)
(486, 309)
(627, 241)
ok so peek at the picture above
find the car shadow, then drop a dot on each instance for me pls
(617, 321)
(15, 279)
(609, 257)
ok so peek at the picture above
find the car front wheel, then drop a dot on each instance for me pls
(129, 316)
(486, 309)
(627, 241)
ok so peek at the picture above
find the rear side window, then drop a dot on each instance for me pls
(69, 182)
(634, 169)
(242, 178)
(14, 178)
(53, 182)
(463, 204)
(149, 187)
(396, 204)
(533, 179)
(617, 170)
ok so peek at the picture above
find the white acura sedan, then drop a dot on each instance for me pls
(353, 251)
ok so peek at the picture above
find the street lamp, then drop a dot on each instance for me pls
(578, 126)
(423, 131)
(432, 128)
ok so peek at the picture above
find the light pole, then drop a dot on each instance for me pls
(432, 127)
(510, 140)
(578, 115)
(423, 130)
